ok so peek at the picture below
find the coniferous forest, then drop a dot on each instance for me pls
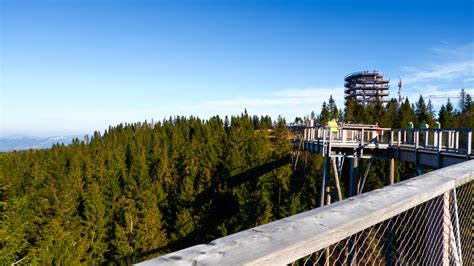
(140, 190)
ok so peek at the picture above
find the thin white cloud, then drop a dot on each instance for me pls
(441, 72)
(288, 103)
(447, 51)
(450, 70)
(452, 64)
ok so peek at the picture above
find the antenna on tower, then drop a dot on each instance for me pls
(400, 97)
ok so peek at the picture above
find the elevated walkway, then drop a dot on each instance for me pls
(426, 220)
(434, 148)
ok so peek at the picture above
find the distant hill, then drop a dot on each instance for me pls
(30, 142)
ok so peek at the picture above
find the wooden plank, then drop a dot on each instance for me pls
(291, 238)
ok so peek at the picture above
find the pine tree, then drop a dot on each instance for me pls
(390, 117)
(325, 115)
(424, 113)
(421, 111)
(446, 115)
(406, 114)
(431, 109)
(281, 147)
(94, 224)
(350, 110)
(334, 112)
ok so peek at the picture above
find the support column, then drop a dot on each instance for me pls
(391, 171)
(336, 179)
(456, 142)
(324, 180)
(354, 176)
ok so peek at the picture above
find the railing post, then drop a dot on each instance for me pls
(440, 145)
(330, 141)
(343, 135)
(399, 137)
(456, 143)
(416, 138)
(438, 222)
(427, 136)
(450, 144)
(440, 140)
(324, 138)
(446, 218)
(469, 144)
(391, 137)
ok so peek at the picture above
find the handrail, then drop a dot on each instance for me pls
(291, 238)
(456, 141)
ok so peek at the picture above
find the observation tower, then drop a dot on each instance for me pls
(366, 87)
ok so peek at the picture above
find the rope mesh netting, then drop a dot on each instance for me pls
(437, 232)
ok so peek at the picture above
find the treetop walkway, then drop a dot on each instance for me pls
(425, 220)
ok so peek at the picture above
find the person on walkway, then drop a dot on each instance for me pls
(378, 132)
(333, 128)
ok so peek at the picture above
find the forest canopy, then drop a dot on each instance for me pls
(143, 189)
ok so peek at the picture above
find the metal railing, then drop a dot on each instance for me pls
(455, 141)
(436, 232)
(426, 220)
(348, 135)
(459, 141)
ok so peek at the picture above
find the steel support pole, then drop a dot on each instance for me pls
(324, 180)
(354, 176)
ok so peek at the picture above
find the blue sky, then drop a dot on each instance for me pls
(72, 67)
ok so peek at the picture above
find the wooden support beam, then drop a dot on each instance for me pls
(336, 179)
(391, 171)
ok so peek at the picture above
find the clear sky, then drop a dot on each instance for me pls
(72, 67)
